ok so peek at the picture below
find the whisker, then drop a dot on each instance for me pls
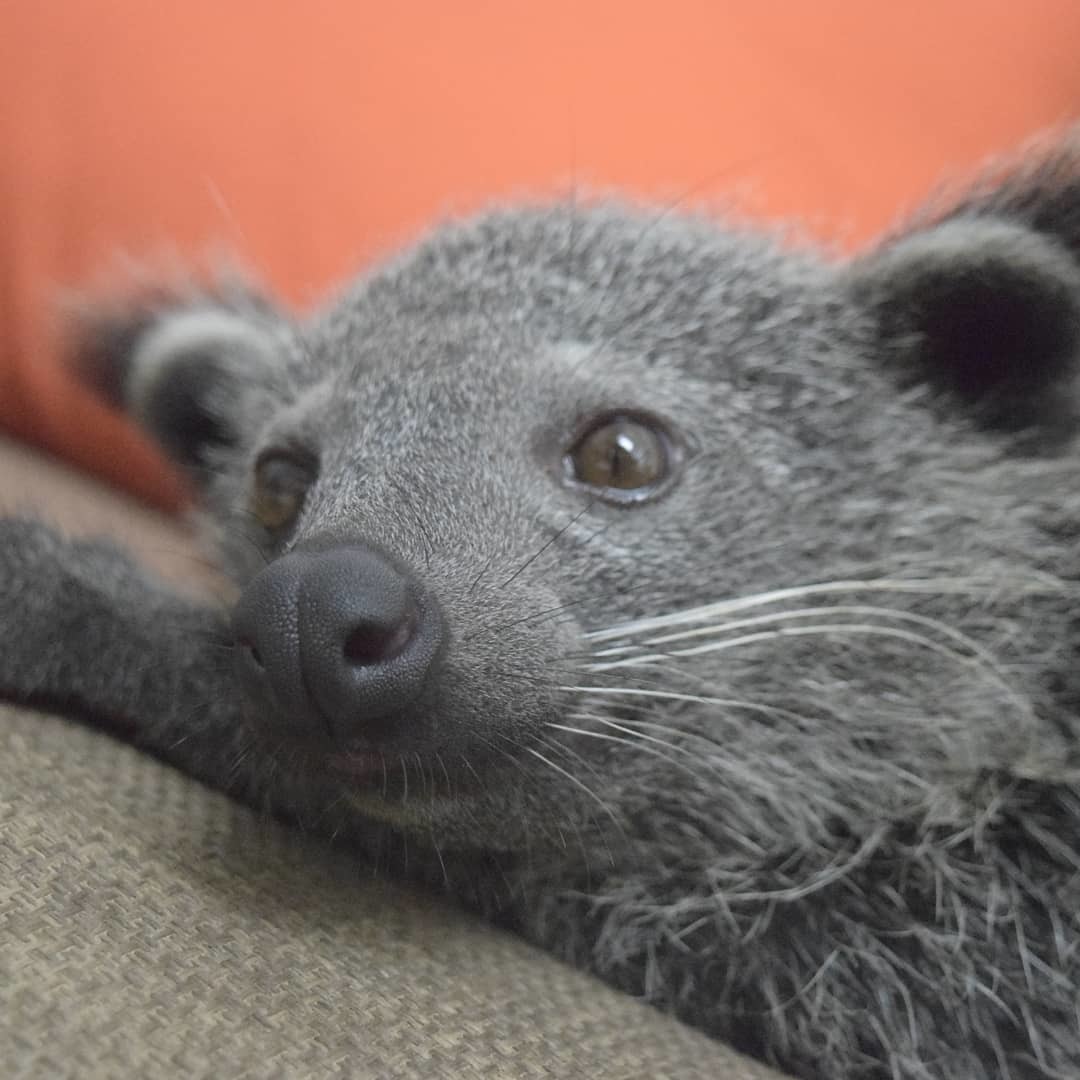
(423, 530)
(521, 676)
(718, 763)
(545, 614)
(578, 784)
(468, 765)
(420, 769)
(439, 855)
(530, 779)
(536, 615)
(979, 661)
(559, 747)
(1037, 585)
(805, 613)
(446, 774)
(661, 695)
(981, 657)
(637, 740)
(483, 570)
(772, 711)
(532, 558)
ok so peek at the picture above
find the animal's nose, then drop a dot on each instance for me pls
(338, 641)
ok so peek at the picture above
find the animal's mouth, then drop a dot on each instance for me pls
(358, 765)
(382, 768)
(400, 777)
(400, 790)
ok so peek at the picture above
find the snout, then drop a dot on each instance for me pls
(337, 642)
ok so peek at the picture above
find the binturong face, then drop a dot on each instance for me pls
(579, 527)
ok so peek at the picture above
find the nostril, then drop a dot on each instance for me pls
(375, 643)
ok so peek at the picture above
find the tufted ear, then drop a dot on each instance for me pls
(985, 302)
(185, 366)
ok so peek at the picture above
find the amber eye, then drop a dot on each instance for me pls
(282, 479)
(623, 458)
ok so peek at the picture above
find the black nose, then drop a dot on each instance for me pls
(336, 641)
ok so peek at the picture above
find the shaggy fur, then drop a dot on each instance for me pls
(790, 750)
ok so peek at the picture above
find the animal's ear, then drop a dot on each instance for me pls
(985, 301)
(187, 366)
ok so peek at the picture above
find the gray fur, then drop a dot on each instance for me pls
(839, 826)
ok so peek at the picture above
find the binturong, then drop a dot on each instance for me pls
(700, 606)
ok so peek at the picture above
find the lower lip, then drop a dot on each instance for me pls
(359, 766)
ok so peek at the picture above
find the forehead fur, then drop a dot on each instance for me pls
(676, 289)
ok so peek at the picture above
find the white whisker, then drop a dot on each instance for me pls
(982, 660)
(563, 748)
(665, 729)
(806, 613)
(818, 630)
(577, 783)
(555, 745)
(716, 763)
(665, 695)
(637, 740)
(1038, 584)
(719, 748)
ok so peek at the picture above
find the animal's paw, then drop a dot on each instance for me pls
(37, 602)
(30, 562)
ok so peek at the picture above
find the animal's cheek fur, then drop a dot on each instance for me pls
(867, 725)
(477, 750)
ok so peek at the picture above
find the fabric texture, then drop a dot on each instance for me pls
(149, 927)
(312, 138)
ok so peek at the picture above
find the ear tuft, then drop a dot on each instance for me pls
(986, 309)
(183, 379)
(176, 360)
(102, 336)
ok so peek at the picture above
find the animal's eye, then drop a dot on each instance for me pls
(623, 458)
(282, 478)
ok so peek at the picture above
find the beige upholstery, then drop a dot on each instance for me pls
(149, 927)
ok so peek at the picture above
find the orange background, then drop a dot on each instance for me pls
(312, 136)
